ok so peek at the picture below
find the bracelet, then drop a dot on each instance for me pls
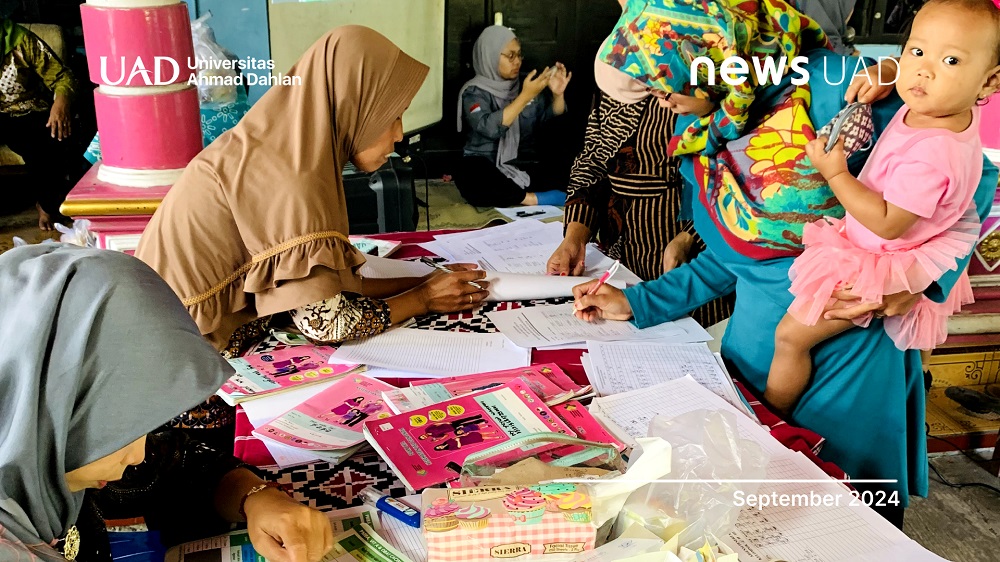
(254, 490)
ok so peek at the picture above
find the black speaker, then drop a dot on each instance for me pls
(383, 201)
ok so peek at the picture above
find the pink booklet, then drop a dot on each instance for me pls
(586, 427)
(428, 446)
(333, 418)
(546, 380)
(270, 372)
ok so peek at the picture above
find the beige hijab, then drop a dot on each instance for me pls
(257, 223)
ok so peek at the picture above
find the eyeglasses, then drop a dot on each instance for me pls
(512, 56)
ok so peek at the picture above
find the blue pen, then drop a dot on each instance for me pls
(392, 506)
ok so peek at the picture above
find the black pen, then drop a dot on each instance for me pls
(440, 267)
(523, 214)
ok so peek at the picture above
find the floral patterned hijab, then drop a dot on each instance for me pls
(656, 42)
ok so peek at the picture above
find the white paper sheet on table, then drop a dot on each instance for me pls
(384, 373)
(522, 287)
(821, 533)
(385, 268)
(541, 326)
(406, 539)
(436, 353)
(543, 212)
(262, 411)
(617, 367)
(535, 262)
(633, 411)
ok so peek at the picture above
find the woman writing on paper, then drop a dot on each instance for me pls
(501, 115)
(866, 397)
(625, 191)
(257, 224)
(102, 353)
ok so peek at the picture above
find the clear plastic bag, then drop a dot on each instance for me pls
(216, 83)
(79, 234)
(698, 504)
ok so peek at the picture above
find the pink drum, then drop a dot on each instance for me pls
(138, 46)
(149, 132)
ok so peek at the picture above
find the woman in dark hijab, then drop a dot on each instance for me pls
(95, 352)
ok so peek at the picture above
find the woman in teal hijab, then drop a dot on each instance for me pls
(866, 397)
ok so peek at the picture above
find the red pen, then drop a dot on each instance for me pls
(604, 278)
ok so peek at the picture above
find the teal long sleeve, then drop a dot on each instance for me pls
(680, 291)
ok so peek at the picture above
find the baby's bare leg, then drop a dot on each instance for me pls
(792, 362)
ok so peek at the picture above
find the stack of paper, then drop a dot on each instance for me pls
(616, 367)
(522, 246)
(546, 326)
(826, 524)
(633, 411)
(435, 353)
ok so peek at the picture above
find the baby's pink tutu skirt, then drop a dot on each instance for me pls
(831, 262)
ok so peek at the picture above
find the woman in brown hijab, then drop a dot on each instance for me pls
(257, 224)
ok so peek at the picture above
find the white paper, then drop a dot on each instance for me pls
(262, 411)
(633, 411)
(541, 326)
(626, 366)
(406, 539)
(522, 286)
(743, 405)
(820, 533)
(376, 267)
(384, 373)
(534, 212)
(436, 353)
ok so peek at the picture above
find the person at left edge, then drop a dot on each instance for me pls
(98, 352)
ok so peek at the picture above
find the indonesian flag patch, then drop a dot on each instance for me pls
(475, 107)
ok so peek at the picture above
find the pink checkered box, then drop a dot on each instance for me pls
(550, 522)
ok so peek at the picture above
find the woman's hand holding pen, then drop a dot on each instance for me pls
(607, 302)
(450, 292)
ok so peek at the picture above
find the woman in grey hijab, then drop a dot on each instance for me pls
(96, 351)
(501, 113)
(832, 16)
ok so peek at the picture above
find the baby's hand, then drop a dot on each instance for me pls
(830, 164)
(873, 83)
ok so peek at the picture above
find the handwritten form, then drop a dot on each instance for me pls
(541, 326)
(816, 533)
(435, 353)
(522, 246)
(808, 533)
(617, 367)
(633, 411)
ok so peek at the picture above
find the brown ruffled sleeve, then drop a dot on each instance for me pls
(315, 267)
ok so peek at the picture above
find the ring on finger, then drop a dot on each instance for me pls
(470, 298)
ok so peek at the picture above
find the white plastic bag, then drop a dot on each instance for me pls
(216, 83)
(698, 504)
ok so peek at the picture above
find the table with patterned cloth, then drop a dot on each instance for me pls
(326, 487)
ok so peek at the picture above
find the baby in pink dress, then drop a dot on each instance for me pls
(910, 215)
